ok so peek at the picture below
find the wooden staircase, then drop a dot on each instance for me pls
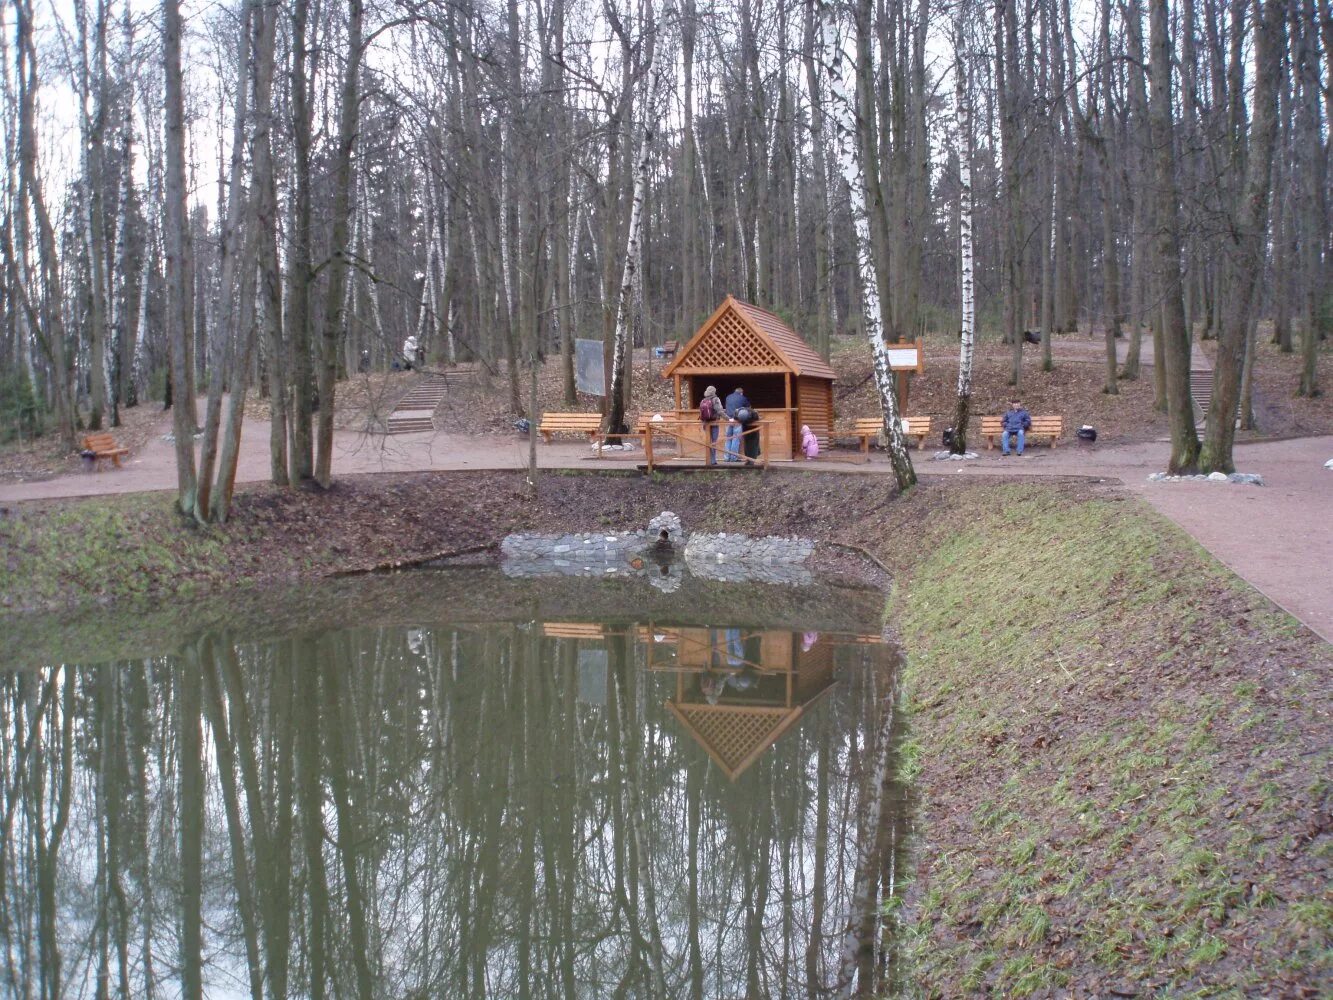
(1201, 391)
(414, 411)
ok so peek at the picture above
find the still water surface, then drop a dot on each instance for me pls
(482, 788)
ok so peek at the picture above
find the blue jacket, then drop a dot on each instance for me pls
(734, 402)
(1016, 420)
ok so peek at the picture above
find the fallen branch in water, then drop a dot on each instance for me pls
(398, 564)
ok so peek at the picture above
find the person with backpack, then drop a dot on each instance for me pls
(734, 401)
(748, 417)
(711, 411)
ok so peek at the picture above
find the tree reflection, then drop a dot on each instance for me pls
(531, 810)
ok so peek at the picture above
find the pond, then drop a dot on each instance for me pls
(453, 784)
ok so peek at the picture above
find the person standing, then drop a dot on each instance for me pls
(748, 417)
(809, 443)
(734, 401)
(711, 411)
(1015, 421)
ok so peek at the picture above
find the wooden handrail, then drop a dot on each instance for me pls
(675, 429)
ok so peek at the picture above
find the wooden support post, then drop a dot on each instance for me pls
(648, 444)
(793, 430)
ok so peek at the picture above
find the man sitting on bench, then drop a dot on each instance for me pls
(1015, 421)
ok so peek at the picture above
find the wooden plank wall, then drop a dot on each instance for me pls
(814, 406)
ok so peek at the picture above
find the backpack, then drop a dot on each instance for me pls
(706, 412)
(745, 415)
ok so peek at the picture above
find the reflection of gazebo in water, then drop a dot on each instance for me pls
(735, 723)
(786, 381)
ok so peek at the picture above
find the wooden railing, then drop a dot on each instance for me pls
(694, 433)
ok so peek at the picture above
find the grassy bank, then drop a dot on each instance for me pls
(1123, 756)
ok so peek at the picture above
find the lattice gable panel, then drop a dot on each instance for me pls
(733, 736)
(730, 343)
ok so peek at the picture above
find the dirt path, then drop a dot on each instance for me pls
(1278, 538)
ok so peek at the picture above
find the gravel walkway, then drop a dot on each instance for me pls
(1279, 537)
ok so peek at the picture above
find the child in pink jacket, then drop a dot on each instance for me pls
(809, 443)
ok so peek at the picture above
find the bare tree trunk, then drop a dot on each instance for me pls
(1313, 230)
(224, 746)
(299, 275)
(232, 315)
(1249, 235)
(819, 181)
(310, 798)
(690, 299)
(49, 327)
(1175, 354)
(1246, 419)
(1139, 279)
(1007, 84)
(1114, 316)
(348, 836)
(191, 820)
(257, 248)
(334, 321)
(180, 269)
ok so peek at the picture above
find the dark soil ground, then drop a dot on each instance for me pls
(1121, 752)
(1072, 390)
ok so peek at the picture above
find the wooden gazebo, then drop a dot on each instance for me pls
(737, 726)
(744, 346)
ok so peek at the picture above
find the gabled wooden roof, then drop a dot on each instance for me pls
(733, 736)
(736, 736)
(740, 338)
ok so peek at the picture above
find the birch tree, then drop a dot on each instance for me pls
(847, 126)
(616, 423)
(966, 285)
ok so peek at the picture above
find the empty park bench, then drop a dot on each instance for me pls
(96, 446)
(1042, 427)
(570, 423)
(867, 428)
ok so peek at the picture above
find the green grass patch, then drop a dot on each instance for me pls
(1060, 663)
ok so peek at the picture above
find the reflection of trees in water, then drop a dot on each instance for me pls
(448, 814)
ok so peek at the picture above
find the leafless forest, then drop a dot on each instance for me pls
(270, 195)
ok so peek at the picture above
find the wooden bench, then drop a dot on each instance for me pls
(867, 428)
(103, 446)
(667, 350)
(1042, 427)
(570, 423)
